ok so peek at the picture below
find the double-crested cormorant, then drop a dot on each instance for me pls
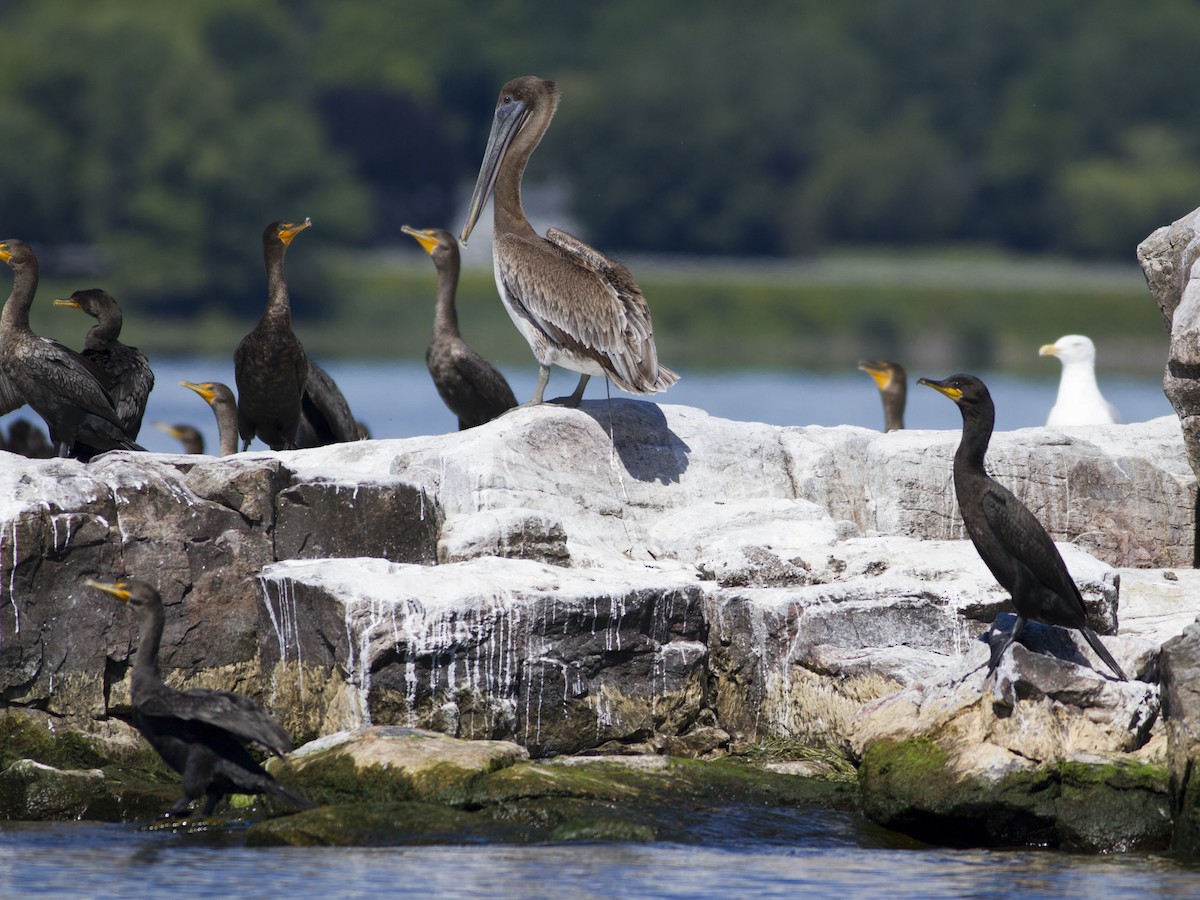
(200, 733)
(1079, 400)
(225, 408)
(576, 307)
(127, 366)
(325, 416)
(468, 384)
(1011, 541)
(269, 365)
(892, 381)
(62, 387)
(188, 435)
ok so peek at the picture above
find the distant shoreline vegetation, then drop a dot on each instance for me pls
(947, 310)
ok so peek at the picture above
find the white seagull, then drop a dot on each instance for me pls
(1079, 400)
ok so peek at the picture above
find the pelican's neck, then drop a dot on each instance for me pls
(16, 310)
(145, 660)
(508, 213)
(279, 307)
(445, 316)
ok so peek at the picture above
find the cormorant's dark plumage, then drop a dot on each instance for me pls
(269, 365)
(132, 379)
(200, 733)
(67, 391)
(225, 408)
(325, 416)
(892, 381)
(1011, 541)
(468, 384)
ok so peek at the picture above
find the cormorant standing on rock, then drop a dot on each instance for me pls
(132, 379)
(892, 381)
(472, 388)
(1011, 541)
(269, 365)
(224, 406)
(200, 733)
(70, 393)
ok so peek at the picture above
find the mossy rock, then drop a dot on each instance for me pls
(1090, 807)
(628, 799)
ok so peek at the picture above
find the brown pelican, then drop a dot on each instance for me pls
(269, 365)
(225, 408)
(1079, 400)
(892, 381)
(468, 384)
(576, 307)
(132, 379)
(68, 392)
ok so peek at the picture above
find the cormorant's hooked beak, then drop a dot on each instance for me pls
(117, 590)
(72, 304)
(953, 393)
(427, 240)
(5, 253)
(286, 234)
(204, 390)
(883, 377)
(169, 430)
(511, 114)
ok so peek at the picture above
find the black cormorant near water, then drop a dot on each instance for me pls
(225, 408)
(468, 384)
(576, 307)
(70, 393)
(132, 379)
(200, 733)
(188, 435)
(892, 381)
(269, 365)
(1011, 541)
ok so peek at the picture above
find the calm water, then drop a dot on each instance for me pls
(782, 853)
(397, 399)
(809, 853)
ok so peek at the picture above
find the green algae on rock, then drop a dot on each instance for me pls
(1096, 805)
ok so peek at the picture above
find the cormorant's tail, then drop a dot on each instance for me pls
(275, 789)
(1101, 651)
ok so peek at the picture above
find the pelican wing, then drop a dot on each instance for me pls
(584, 302)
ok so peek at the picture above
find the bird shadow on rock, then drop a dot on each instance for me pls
(648, 449)
(1044, 640)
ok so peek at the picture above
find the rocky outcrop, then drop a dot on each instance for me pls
(1168, 258)
(622, 577)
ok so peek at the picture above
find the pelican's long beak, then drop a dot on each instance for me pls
(510, 116)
